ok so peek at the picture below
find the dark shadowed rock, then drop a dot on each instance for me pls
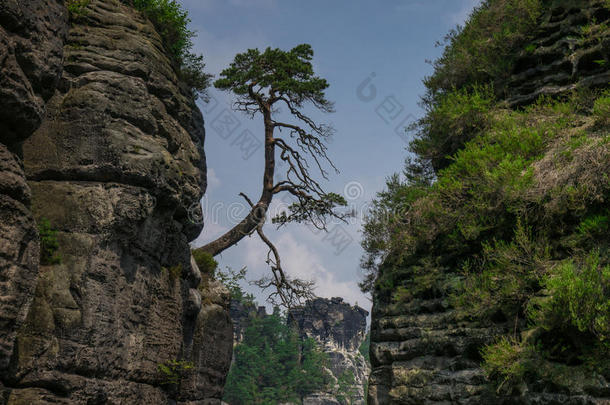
(32, 35)
(116, 165)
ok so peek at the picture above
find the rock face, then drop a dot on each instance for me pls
(112, 148)
(241, 314)
(563, 56)
(32, 37)
(340, 329)
(421, 352)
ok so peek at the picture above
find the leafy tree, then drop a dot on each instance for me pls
(365, 348)
(346, 390)
(263, 82)
(272, 365)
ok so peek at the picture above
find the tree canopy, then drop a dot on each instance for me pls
(272, 365)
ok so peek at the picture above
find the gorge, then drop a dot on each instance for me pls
(487, 256)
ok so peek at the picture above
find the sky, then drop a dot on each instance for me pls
(373, 54)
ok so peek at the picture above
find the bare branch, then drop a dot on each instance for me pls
(289, 292)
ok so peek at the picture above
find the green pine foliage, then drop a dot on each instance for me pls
(288, 73)
(272, 365)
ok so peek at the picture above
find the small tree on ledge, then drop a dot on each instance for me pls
(263, 82)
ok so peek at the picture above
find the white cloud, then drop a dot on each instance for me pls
(301, 261)
(213, 180)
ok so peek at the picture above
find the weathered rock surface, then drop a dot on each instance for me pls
(340, 329)
(116, 164)
(241, 314)
(421, 352)
(563, 56)
(32, 35)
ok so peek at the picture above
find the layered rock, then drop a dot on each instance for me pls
(340, 329)
(564, 56)
(116, 165)
(422, 352)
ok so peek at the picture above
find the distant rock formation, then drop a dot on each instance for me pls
(241, 314)
(340, 329)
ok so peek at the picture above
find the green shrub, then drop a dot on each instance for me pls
(455, 118)
(48, 243)
(77, 8)
(594, 226)
(506, 363)
(601, 109)
(510, 275)
(484, 50)
(172, 372)
(580, 297)
(205, 261)
(172, 21)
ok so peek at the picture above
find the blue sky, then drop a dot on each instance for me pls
(374, 55)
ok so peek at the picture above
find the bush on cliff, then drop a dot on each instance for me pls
(171, 20)
(483, 50)
(513, 230)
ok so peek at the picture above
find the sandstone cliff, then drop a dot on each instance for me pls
(423, 351)
(100, 139)
(340, 329)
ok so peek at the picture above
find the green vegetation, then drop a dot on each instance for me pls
(365, 347)
(507, 363)
(206, 263)
(579, 298)
(77, 8)
(506, 243)
(48, 243)
(450, 122)
(601, 109)
(273, 366)
(346, 391)
(484, 50)
(174, 371)
(231, 279)
(503, 212)
(171, 21)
